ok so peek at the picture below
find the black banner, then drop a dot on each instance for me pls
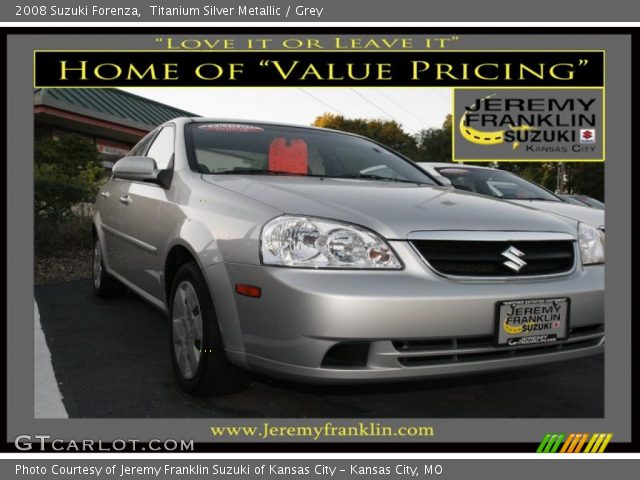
(312, 68)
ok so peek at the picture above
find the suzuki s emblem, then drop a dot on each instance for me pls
(514, 259)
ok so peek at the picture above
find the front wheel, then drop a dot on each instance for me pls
(104, 284)
(197, 351)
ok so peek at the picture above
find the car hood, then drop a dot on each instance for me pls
(392, 209)
(592, 216)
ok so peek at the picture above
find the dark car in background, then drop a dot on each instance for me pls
(583, 200)
(508, 186)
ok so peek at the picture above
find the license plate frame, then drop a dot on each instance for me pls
(541, 315)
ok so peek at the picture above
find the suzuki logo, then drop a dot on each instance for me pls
(514, 259)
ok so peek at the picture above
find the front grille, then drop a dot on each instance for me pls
(443, 351)
(486, 259)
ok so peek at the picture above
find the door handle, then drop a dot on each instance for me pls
(105, 194)
(126, 199)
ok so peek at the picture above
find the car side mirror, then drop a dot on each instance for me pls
(141, 169)
(444, 181)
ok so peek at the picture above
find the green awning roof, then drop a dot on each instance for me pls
(110, 104)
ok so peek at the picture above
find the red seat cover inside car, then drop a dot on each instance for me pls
(290, 156)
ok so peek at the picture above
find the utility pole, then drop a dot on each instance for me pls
(560, 178)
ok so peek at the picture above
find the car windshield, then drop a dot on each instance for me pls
(259, 149)
(495, 183)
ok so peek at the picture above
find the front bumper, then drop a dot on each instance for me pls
(414, 323)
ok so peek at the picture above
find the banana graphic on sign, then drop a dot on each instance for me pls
(510, 329)
(513, 329)
(494, 137)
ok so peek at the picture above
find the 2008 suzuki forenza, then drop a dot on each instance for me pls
(323, 256)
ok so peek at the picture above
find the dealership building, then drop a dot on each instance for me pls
(113, 120)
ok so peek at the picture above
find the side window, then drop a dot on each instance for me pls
(162, 147)
(141, 147)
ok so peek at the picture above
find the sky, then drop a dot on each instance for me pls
(414, 108)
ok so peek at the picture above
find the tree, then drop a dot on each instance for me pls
(586, 178)
(579, 177)
(434, 144)
(66, 172)
(387, 132)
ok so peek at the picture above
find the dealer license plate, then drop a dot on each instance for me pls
(531, 322)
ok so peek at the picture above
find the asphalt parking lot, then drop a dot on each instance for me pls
(110, 359)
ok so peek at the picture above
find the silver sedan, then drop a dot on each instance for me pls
(322, 256)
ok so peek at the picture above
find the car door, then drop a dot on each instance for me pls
(140, 206)
(111, 213)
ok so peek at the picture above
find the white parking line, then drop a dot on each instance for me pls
(47, 396)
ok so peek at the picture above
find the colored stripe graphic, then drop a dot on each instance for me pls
(606, 441)
(573, 443)
(570, 444)
(543, 443)
(598, 443)
(592, 441)
(582, 442)
(556, 445)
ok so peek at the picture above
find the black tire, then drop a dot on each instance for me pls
(104, 285)
(214, 374)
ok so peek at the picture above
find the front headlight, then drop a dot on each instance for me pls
(308, 242)
(591, 242)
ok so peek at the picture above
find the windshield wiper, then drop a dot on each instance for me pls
(261, 171)
(361, 176)
(534, 198)
(256, 171)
